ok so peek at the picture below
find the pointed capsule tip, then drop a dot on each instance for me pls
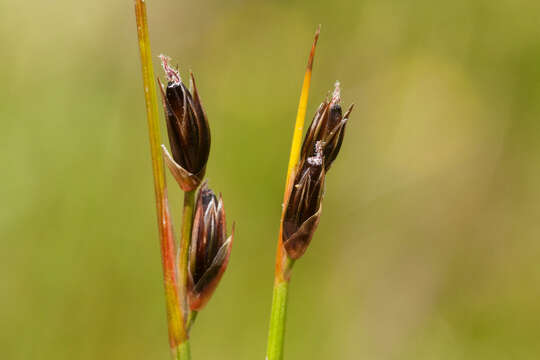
(162, 90)
(193, 85)
(346, 116)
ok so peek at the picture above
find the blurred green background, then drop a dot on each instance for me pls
(428, 247)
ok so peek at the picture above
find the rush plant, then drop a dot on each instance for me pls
(204, 248)
(194, 265)
(309, 162)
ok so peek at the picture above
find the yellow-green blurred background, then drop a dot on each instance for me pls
(428, 247)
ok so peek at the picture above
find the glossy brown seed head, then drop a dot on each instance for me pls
(328, 126)
(304, 205)
(187, 129)
(210, 247)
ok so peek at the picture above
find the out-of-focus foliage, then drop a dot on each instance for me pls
(428, 243)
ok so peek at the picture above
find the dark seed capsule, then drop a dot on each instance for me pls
(210, 248)
(187, 129)
(328, 125)
(319, 150)
(304, 206)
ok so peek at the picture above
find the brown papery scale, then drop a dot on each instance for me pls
(210, 248)
(304, 206)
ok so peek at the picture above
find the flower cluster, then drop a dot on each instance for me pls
(189, 139)
(319, 150)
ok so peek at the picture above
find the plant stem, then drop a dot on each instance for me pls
(276, 332)
(185, 240)
(191, 319)
(278, 315)
(277, 321)
(301, 114)
(184, 351)
(175, 317)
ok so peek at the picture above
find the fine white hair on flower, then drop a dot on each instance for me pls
(317, 160)
(336, 96)
(173, 76)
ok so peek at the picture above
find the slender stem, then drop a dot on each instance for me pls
(301, 114)
(191, 319)
(276, 332)
(184, 351)
(185, 240)
(175, 317)
(277, 321)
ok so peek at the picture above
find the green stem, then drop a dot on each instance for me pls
(184, 351)
(284, 264)
(185, 240)
(191, 319)
(278, 315)
(175, 318)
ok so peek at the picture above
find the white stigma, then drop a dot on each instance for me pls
(317, 160)
(336, 96)
(173, 76)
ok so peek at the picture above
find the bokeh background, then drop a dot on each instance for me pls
(428, 247)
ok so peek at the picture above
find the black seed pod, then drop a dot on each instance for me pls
(304, 206)
(328, 126)
(319, 149)
(210, 248)
(187, 129)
